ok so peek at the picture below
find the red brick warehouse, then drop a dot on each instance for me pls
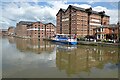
(80, 21)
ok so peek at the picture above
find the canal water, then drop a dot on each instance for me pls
(33, 58)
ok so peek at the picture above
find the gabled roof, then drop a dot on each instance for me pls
(113, 26)
(28, 23)
(83, 10)
(25, 22)
(50, 23)
(37, 22)
(11, 27)
(77, 8)
(61, 10)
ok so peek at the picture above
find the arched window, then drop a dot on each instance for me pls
(104, 23)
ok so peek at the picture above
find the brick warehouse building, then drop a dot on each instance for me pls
(21, 28)
(27, 29)
(80, 21)
(50, 30)
(11, 31)
(36, 30)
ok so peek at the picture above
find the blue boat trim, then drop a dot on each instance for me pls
(65, 42)
(64, 39)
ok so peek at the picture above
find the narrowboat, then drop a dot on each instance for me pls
(65, 39)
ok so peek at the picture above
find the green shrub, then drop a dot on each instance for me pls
(81, 39)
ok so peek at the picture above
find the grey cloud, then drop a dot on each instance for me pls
(14, 12)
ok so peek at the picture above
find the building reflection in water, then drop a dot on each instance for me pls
(71, 59)
(84, 58)
(11, 39)
(34, 45)
(119, 62)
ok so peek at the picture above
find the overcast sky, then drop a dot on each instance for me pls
(45, 11)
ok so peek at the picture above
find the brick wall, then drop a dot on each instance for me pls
(21, 30)
(11, 30)
(50, 30)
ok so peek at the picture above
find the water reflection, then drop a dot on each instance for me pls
(84, 58)
(34, 45)
(11, 40)
(46, 59)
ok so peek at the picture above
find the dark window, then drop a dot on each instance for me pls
(113, 30)
(99, 29)
(102, 29)
(98, 36)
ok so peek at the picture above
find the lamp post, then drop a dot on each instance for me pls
(118, 25)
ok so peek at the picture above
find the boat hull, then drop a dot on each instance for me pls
(65, 42)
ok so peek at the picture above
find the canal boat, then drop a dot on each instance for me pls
(65, 39)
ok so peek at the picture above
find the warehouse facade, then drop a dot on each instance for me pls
(79, 21)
